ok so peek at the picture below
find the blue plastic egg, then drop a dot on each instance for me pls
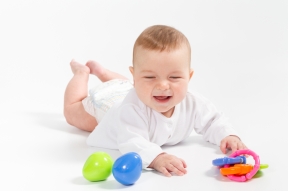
(127, 168)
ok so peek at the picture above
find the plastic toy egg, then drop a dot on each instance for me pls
(97, 167)
(127, 168)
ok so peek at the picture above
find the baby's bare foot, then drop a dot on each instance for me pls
(96, 68)
(77, 67)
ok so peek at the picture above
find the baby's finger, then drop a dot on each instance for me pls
(164, 171)
(234, 147)
(241, 146)
(223, 146)
(180, 167)
(175, 170)
(184, 163)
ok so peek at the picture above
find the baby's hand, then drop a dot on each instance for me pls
(231, 142)
(166, 163)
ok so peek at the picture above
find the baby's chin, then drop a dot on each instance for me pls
(167, 112)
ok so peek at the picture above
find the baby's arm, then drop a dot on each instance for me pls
(166, 163)
(215, 126)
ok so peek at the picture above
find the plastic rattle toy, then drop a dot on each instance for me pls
(126, 169)
(240, 171)
(250, 174)
(229, 160)
(97, 167)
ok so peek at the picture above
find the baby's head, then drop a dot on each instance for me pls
(161, 68)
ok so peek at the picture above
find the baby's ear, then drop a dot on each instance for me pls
(191, 73)
(131, 70)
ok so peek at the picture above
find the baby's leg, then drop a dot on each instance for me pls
(76, 91)
(102, 73)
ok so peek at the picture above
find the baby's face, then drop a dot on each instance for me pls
(161, 78)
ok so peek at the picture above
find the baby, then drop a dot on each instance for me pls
(157, 109)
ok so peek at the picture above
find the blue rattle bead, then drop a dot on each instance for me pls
(229, 160)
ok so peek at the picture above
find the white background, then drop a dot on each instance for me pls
(240, 58)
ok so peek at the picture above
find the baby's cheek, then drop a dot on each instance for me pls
(181, 91)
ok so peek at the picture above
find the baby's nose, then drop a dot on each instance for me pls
(163, 86)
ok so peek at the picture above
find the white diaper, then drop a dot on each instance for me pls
(102, 97)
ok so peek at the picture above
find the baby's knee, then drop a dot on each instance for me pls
(76, 116)
(66, 115)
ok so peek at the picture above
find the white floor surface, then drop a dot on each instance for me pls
(240, 58)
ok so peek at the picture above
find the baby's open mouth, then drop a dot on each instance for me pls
(162, 98)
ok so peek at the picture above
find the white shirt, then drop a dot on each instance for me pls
(131, 126)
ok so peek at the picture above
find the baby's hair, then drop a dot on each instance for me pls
(161, 38)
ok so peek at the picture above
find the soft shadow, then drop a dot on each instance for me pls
(197, 140)
(81, 181)
(112, 185)
(55, 121)
(155, 172)
(214, 172)
(105, 184)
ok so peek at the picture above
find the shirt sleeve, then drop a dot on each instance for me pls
(211, 123)
(133, 134)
